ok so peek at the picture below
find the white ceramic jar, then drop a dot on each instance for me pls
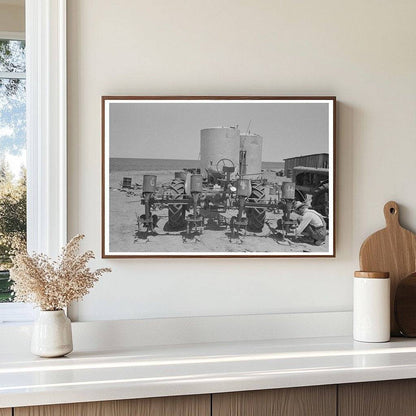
(52, 334)
(371, 305)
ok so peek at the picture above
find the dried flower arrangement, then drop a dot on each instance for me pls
(53, 285)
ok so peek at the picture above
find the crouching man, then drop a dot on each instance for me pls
(311, 223)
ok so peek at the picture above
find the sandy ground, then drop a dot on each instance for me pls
(126, 207)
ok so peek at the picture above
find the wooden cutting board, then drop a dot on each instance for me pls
(405, 306)
(393, 250)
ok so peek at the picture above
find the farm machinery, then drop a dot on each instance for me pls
(313, 183)
(229, 190)
(194, 203)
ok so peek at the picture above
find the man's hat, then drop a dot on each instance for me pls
(298, 205)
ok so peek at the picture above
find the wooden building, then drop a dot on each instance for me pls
(317, 160)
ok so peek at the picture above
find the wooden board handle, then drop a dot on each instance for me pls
(391, 214)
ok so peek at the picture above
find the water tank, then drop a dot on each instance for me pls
(251, 146)
(219, 143)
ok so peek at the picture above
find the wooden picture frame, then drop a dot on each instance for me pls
(218, 176)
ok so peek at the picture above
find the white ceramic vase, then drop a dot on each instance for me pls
(52, 334)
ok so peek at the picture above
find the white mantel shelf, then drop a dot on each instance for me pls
(152, 371)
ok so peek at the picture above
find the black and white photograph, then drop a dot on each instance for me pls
(218, 176)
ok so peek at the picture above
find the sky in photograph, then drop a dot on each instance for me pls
(172, 130)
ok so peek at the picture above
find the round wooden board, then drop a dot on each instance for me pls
(405, 306)
(393, 250)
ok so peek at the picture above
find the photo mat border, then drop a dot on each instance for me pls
(105, 173)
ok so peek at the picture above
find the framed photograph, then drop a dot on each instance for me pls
(218, 176)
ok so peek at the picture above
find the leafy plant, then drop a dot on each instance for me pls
(12, 224)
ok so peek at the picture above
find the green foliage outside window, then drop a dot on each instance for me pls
(12, 145)
(12, 223)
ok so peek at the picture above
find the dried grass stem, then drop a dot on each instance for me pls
(53, 285)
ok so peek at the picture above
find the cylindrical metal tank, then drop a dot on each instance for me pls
(288, 190)
(149, 183)
(251, 146)
(219, 143)
(243, 187)
(196, 183)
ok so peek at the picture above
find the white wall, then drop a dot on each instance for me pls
(361, 51)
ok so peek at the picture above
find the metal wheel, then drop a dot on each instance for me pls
(256, 216)
(176, 213)
(224, 163)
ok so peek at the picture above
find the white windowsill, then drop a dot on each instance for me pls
(16, 313)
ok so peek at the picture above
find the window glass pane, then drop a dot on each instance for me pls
(12, 56)
(12, 161)
(13, 120)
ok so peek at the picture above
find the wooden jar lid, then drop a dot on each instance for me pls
(372, 275)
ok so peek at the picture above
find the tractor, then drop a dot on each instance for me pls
(230, 189)
(312, 185)
(207, 200)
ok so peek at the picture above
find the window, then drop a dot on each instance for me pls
(12, 154)
(45, 27)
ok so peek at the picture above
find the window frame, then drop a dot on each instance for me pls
(46, 137)
(12, 35)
